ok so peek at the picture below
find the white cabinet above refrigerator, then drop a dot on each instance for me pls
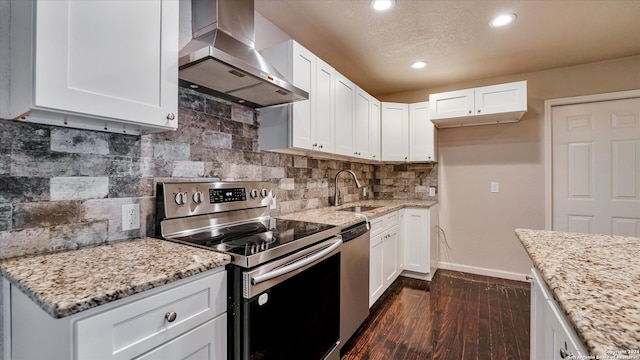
(485, 105)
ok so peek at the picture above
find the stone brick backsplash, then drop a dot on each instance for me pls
(63, 188)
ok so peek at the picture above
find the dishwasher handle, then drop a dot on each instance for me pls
(295, 265)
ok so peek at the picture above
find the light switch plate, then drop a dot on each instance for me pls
(432, 191)
(495, 187)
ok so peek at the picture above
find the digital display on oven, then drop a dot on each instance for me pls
(217, 196)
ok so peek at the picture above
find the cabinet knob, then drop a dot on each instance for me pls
(469, 111)
(171, 116)
(529, 277)
(320, 146)
(314, 145)
(171, 316)
(479, 111)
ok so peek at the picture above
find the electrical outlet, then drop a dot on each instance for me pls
(432, 191)
(364, 191)
(130, 217)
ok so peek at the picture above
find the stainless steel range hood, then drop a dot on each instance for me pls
(221, 59)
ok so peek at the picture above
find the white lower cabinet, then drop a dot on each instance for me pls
(420, 238)
(384, 262)
(552, 336)
(202, 343)
(185, 319)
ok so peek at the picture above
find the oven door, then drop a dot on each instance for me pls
(289, 308)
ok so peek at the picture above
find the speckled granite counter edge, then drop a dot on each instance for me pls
(22, 273)
(575, 275)
(332, 215)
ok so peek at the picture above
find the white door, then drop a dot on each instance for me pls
(596, 167)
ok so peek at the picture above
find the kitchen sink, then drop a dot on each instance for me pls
(359, 208)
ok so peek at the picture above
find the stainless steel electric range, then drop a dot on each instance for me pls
(284, 278)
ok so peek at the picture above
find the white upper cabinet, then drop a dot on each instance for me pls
(367, 126)
(421, 133)
(109, 65)
(345, 99)
(479, 106)
(374, 134)
(324, 98)
(395, 132)
(339, 118)
(407, 134)
(302, 125)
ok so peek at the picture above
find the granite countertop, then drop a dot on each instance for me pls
(596, 281)
(66, 283)
(332, 216)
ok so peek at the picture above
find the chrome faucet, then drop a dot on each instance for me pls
(336, 198)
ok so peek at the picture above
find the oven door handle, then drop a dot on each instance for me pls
(295, 265)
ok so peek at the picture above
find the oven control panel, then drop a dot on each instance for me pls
(180, 199)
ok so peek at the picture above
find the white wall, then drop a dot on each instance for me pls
(480, 224)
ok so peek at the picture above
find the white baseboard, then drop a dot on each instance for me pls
(416, 275)
(483, 271)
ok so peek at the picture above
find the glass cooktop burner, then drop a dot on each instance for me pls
(254, 237)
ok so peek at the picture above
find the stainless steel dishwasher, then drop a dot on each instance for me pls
(354, 279)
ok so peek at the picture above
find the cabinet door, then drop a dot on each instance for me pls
(376, 279)
(421, 133)
(345, 111)
(563, 342)
(538, 308)
(324, 107)
(502, 98)
(390, 268)
(362, 124)
(451, 104)
(416, 240)
(111, 59)
(401, 241)
(395, 132)
(374, 135)
(207, 342)
(303, 74)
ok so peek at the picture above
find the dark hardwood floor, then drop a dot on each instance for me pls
(455, 316)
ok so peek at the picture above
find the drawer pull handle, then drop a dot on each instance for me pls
(171, 316)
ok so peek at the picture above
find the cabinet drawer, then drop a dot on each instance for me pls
(209, 341)
(384, 222)
(132, 329)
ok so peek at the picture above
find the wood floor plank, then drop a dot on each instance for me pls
(455, 316)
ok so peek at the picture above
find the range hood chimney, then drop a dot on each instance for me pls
(221, 60)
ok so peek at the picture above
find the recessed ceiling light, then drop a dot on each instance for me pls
(419, 64)
(502, 20)
(382, 5)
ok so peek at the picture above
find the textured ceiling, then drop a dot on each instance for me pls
(375, 50)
